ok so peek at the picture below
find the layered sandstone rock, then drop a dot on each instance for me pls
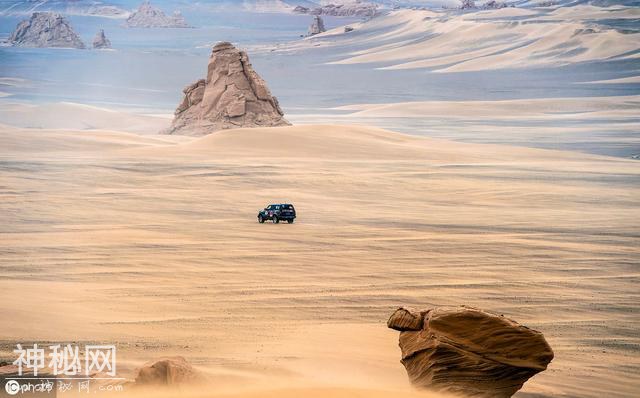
(147, 16)
(232, 96)
(45, 29)
(468, 351)
(166, 371)
(101, 41)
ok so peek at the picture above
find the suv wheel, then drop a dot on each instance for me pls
(275, 219)
(290, 221)
(260, 219)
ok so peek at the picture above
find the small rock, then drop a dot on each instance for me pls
(317, 26)
(101, 41)
(166, 371)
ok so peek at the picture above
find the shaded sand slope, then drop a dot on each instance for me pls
(154, 245)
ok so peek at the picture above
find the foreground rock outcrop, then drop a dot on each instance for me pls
(468, 351)
(101, 41)
(232, 96)
(317, 26)
(147, 16)
(45, 29)
(166, 371)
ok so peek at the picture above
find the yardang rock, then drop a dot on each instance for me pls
(45, 29)
(232, 96)
(101, 41)
(468, 351)
(317, 26)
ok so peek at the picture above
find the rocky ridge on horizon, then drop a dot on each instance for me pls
(148, 16)
(355, 9)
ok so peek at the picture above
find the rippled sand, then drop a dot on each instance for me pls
(151, 242)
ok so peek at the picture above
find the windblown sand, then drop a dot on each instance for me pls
(151, 242)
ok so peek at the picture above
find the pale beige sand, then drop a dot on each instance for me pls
(622, 80)
(485, 40)
(626, 107)
(154, 245)
(69, 115)
(605, 125)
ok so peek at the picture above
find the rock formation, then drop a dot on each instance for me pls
(489, 5)
(468, 351)
(232, 96)
(301, 10)
(354, 9)
(166, 371)
(45, 29)
(101, 41)
(317, 26)
(467, 4)
(147, 16)
(106, 11)
(495, 5)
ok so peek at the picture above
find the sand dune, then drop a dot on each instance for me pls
(602, 125)
(545, 108)
(491, 39)
(79, 143)
(153, 245)
(74, 116)
(622, 80)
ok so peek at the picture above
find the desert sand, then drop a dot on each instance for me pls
(491, 39)
(151, 242)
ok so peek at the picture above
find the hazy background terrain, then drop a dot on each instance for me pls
(148, 68)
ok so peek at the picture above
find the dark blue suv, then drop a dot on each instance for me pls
(276, 213)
